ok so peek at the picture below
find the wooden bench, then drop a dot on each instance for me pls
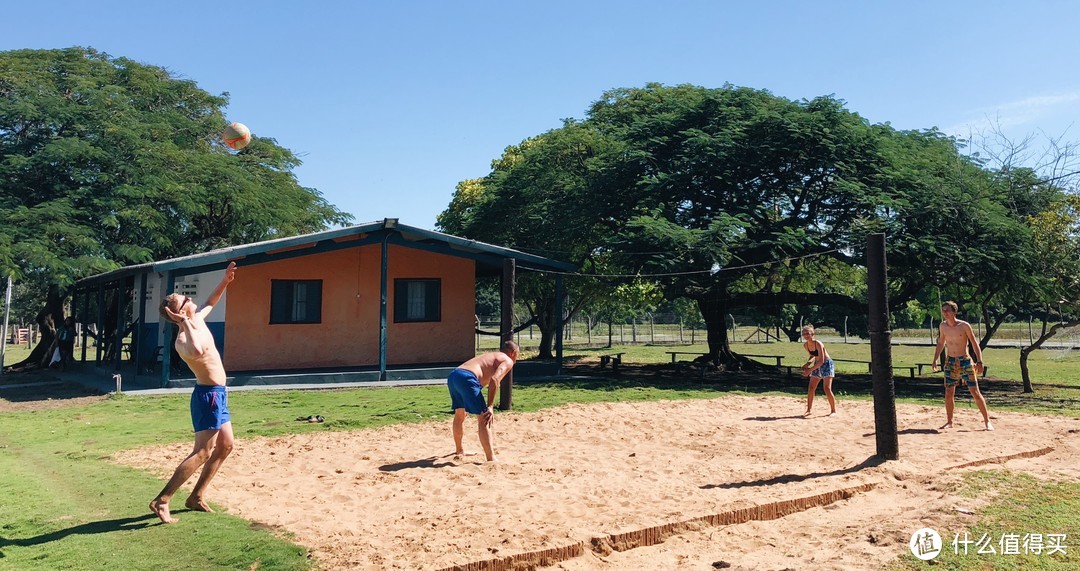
(869, 367)
(986, 368)
(614, 358)
(676, 353)
(778, 358)
(867, 363)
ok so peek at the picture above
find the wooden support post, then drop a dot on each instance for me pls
(506, 328)
(888, 446)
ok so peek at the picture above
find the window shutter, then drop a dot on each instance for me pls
(280, 301)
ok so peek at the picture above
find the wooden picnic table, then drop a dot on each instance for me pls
(614, 358)
(675, 354)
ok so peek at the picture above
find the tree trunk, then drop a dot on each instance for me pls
(547, 337)
(47, 318)
(1025, 352)
(545, 321)
(720, 354)
(1048, 331)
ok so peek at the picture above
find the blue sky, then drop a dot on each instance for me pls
(390, 104)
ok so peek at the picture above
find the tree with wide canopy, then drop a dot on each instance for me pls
(106, 162)
(737, 198)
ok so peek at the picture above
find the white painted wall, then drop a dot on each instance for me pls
(198, 286)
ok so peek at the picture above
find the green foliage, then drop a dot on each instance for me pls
(106, 162)
(744, 200)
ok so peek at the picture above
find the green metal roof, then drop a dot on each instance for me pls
(488, 256)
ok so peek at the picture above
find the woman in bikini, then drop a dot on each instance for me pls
(819, 367)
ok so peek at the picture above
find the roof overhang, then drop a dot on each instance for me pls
(489, 258)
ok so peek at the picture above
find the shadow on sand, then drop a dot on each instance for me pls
(789, 478)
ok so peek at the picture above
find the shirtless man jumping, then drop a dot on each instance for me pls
(466, 384)
(209, 401)
(956, 335)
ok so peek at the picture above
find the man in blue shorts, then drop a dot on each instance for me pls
(955, 336)
(209, 401)
(466, 384)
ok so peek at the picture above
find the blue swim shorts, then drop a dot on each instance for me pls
(465, 392)
(959, 369)
(827, 369)
(209, 407)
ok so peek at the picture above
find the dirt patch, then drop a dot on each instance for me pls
(392, 498)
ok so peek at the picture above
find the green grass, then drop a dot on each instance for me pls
(1055, 373)
(63, 505)
(1021, 505)
(15, 353)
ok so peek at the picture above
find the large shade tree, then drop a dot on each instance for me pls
(538, 198)
(741, 199)
(106, 162)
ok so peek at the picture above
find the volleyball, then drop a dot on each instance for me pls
(236, 136)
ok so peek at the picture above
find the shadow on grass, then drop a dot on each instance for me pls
(39, 388)
(789, 478)
(106, 526)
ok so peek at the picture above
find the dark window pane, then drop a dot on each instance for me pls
(295, 301)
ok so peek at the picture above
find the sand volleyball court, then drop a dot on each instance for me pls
(655, 485)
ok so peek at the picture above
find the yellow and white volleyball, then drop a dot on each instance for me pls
(236, 136)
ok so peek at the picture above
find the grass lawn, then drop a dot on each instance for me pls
(1023, 506)
(1055, 373)
(63, 505)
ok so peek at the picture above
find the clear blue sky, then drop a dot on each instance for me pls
(390, 104)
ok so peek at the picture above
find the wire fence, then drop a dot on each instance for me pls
(667, 329)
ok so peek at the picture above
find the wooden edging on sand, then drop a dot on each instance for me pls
(1003, 459)
(658, 534)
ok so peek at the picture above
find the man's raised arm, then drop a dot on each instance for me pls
(215, 296)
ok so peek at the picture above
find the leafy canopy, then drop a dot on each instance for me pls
(107, 162)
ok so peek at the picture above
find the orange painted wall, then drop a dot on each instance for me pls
(349, 332)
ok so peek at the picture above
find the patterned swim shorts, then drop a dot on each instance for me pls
(959, 369)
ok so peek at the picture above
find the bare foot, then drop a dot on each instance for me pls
(161, 509)
(989, 426)
(946, 425)
(198, 505)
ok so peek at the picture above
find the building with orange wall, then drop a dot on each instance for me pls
(369, 296)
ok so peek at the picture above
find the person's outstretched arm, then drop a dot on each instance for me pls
(215, 296)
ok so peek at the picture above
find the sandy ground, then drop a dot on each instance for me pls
(392, 498)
